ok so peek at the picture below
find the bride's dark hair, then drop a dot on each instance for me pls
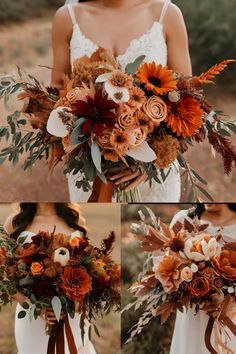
(28, 211)
(199, 209)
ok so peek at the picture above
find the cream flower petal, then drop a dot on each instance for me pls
(103, 77)
(62, 256)
(55, 126)
(142, 152)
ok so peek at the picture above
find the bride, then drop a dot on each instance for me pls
(189, 328)
(127, 29)
(32, 217)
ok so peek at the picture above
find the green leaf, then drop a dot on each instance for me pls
(2, 160)
(96, 156)
(57, 307)
(96, 330)
(201, 179)
(25, 305)
(232, 127)
(204, 192)
(75, 137)
(21, 314)
(133, 67)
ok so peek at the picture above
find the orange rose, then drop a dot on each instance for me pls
(36, 268)
(156, 109)
(74, 95)
(225, 264)
(76, 283)
(104, 139)
(74, 242)
(199, 287)
(186, 274)
(127, 120)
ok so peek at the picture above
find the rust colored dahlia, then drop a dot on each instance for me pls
(185, 117)
(199, 287)
(225, 264)
(76, 283)
(156, 78)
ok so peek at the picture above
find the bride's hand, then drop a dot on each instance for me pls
(49, 317)
(134, 178)
(20, 298)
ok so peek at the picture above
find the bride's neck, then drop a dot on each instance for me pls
(120, 3)
(45, 209)
(222, 214)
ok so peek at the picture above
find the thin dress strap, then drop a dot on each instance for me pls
(72, 13)
(164, 9)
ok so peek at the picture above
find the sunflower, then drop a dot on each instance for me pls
(185, 117)
(156, 78)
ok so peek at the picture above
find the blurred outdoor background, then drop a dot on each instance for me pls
(132, 259)
(25, 40)
(99, 222)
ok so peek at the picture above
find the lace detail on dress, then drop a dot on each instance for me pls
(152, 43)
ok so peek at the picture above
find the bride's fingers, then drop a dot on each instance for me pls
(120, 174)
(127, 178)
(136, 182)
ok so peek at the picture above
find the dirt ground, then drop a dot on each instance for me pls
(28, 46)
(99, 222)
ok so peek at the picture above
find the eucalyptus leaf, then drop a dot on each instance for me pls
(75, 137)
(96, 155)
(57, 307)
(133, 67)
(21, 314)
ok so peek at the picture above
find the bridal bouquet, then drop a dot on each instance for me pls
(186, 268)
(65, 273)
(107, 119)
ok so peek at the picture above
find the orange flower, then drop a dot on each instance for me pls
(144, 122)
(120, 140)
(137, 98)
(156, 109)
(36, 268)
(97, 269)
(3, 251)
(199, 287)
(127, 120)
(110, 155)
(166, 150)
(28, 250)
(76, 283)
(225, 264)
(104, 139)
(74, 241)
(158, 79)
(168, 273)
(185, 117)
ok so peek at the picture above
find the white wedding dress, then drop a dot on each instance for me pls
(152, 44)
(30, 334)
(189, 330)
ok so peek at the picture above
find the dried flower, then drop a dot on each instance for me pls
(137, 98)
(120, 140)
(225, 264)
(186, 274)
(127, 120)
(199, 287)
(166, 149)
(156, 109)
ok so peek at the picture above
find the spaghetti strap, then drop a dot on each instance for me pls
(72, 14)
(164, 10)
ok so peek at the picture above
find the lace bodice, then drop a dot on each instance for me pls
(229, 232)
(152, 43)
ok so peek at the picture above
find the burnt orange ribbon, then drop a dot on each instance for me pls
(224, 319)
(102, 192)
(57, 341)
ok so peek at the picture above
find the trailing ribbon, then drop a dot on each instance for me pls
(222, 319)
(57, 340)
(102, 192)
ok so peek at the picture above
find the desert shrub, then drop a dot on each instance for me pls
(212, 33)
(17, 11)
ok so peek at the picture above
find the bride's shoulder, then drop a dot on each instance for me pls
(171, 11)
(8, 224)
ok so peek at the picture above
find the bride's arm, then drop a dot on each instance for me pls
(177, 41)
(61, 34)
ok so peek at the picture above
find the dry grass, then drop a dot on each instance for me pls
(100, 221)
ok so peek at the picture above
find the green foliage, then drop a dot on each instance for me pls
(17, 11)
(211, 29)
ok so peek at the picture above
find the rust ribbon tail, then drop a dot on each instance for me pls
(56, 340)
(102, 192)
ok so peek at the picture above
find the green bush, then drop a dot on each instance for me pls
(17, 11)
(212, 32)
